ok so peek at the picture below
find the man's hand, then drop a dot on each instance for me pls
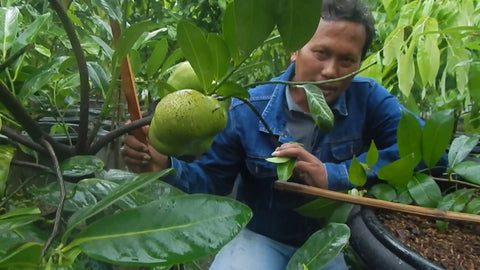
(141, 157)
(308, 168)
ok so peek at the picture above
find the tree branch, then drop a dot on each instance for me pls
(63, 194)
(103, 141)
(81, 145)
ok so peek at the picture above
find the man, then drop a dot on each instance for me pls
(364, 111)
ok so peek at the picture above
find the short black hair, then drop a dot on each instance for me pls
(352, 11)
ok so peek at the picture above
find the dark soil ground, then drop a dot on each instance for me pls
(457, 248)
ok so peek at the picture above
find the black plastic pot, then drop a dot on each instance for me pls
(377, 248)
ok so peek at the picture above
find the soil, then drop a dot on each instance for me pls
(456, 248)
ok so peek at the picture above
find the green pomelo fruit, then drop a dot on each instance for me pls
(184, 77)
(185, 123)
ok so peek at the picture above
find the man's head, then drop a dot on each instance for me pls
(337, 48)
(352, 11)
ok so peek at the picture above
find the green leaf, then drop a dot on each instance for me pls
(7, 153)
(468, 170)
(456, 201)
(340, 213)
(119, 193)
(384, 192)
(99, 77)
(78, 166)
(254, 21)
(424, 190)
(49, 195)
(285, 169)
(18, 218)
(24, 256)
(318, 208)
(112, 8)
(128, 38)
(356, 173)
(436, 136)
(297, 21)
(231, 89)
(399, 172)
(220, 56)
(372, 155)
(193, 42)
(158, 56)
(319, 109)
(29, 34)
(9, 26)
(403, 195)
(278, 159)
(473, 207)
(409, 136)
(428, 53)
(392, 47)
(322, 247)
(406, 72)
(181, 229)
(460, 148)
(229, 33)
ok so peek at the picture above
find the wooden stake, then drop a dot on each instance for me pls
(370, 202)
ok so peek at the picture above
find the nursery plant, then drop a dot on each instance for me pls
(62, 55)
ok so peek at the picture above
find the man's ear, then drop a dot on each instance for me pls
(293, 56)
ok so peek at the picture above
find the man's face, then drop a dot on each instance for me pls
(334, 51)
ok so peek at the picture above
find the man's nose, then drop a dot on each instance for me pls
(330, 69)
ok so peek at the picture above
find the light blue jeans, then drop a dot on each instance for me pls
(253, 251)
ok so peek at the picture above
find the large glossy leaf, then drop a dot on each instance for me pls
(166, 232)
(409, 136)
(140, 181)
(297, 21)
(27, 255)
(424, 190)
(468, 170)
(322, 247)
(436, 136)
(193, 42)
(9, 26)
(18, 218)
(254, 21)
(356, 173)
(78, 166)
(49, 195)
(6, 155)
(460, 148)
(319, 109)
(37, 80)
(399, 172)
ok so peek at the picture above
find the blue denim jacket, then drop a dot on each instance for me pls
(366, 111)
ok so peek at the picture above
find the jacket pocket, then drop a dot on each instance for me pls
(261, 168)
(345, 150)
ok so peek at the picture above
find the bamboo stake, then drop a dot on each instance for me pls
(370, 202)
